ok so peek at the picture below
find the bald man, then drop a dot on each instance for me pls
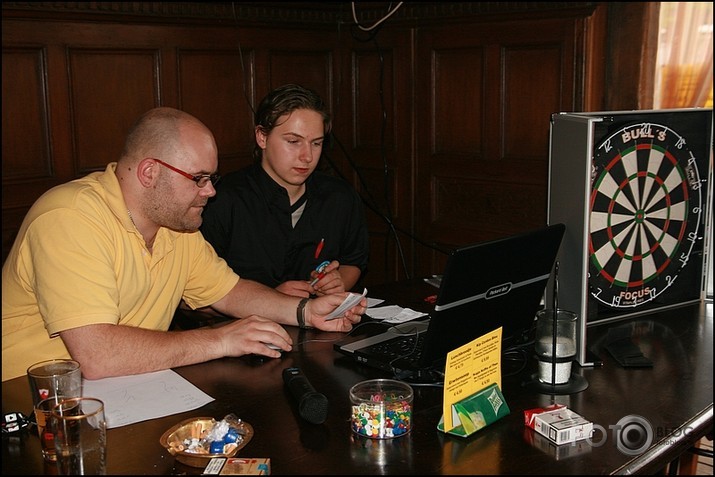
(101, 263)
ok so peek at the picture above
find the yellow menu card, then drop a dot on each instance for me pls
(469, 369)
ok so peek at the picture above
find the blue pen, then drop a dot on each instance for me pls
(320, 269)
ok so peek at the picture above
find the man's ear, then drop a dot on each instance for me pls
(260, 137)
(147, 171)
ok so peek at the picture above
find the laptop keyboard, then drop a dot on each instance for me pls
(407, 347)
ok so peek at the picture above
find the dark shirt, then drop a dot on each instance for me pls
(248, 222)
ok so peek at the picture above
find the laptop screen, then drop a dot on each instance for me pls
(484, 286)
(492, 284)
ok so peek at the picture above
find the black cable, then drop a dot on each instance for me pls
(370, 202)
(366, 37)
(243, 69)
(517, 355)
(385, 168)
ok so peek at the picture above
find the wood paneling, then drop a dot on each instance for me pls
(211, 87)
(373, 129)
(485, 94)
(537, 82)
(24, 108)
(312, 69)
(373, 100)
(109, 89)
(458, 101)
(441, 115)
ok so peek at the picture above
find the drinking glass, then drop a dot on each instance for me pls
(80, 430)
(565, 345)
(51, 381)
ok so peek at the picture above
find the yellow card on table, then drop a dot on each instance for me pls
(469, 369)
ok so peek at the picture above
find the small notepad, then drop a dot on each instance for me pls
(350, 301)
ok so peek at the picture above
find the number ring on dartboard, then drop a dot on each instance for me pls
(645, 214)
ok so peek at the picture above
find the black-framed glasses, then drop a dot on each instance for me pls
(201, 179)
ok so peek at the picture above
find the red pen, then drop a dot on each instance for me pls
(319, 248)
(321, 272)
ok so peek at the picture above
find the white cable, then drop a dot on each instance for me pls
(389, 14)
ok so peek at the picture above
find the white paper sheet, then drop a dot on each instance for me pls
(350, 301)
(394, 314)
(130, 399)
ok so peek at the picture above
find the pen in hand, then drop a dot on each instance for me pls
(321, 272)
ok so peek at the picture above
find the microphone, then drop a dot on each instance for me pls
(312, 405)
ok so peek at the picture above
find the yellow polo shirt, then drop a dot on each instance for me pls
(78, 259)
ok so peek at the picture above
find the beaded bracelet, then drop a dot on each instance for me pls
(300, 313)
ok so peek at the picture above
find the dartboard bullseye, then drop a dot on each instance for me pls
(646, 204)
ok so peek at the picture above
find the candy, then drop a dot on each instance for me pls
(381, 408)
(221, 438)
(382, 420)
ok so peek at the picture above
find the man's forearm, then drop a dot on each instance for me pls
(106, 350)
(252, 298)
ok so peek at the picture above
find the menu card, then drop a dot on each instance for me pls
(469, 369)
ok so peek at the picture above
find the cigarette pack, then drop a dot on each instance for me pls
(558, 423)
(530, 414)
(574, 449)
(238, 466)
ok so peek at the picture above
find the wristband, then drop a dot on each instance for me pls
(300, 313)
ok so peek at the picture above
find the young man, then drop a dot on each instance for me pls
(277, 220)
(101, 263)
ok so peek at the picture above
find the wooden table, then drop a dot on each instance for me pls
(675, 398)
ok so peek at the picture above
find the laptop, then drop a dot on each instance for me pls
(484, 286)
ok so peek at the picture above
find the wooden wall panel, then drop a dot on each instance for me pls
(102, 76)
(109, 89)
(24, 107)
(211, 87)
(371, 133)
(485, 94)
(373, 101)
(534, 81)
(458, 102)
(374, 123)
(312, 69)
(442, 160)
(456, 152)
(385, 261)
(465, 204)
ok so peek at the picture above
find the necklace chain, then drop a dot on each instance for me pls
(129, 212)
(148, 244)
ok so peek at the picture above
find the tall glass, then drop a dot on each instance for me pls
(80, 431)
(565, 345)
(50, 382)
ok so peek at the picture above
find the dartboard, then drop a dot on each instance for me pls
(645, 213)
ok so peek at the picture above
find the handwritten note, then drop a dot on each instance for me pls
(130, 399)
(469, 369)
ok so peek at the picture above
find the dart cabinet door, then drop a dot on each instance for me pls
(633, 189)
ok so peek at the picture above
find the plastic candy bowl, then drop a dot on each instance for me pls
(178, 441)
(381, 408)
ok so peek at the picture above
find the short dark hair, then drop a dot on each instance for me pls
(284, 100)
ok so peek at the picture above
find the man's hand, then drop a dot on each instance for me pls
(316, 310)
